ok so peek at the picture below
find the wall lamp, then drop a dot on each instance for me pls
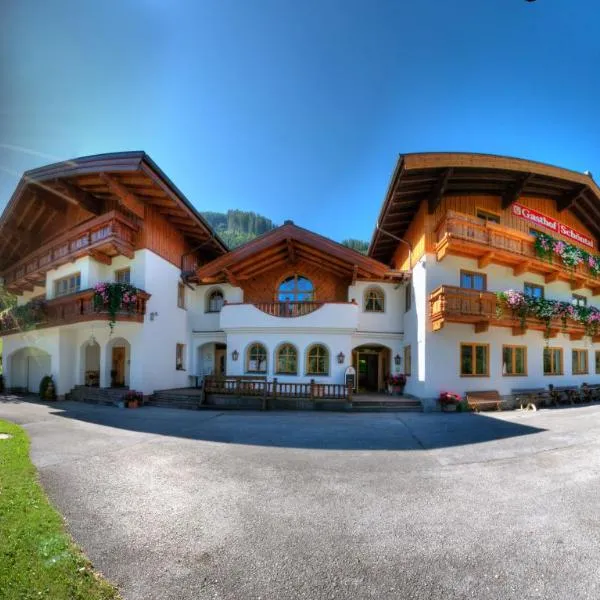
(397, 360)
(341, 357)
(153, 315)
(235, 355)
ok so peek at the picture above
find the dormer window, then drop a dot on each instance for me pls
(296, 289)
(215, 301)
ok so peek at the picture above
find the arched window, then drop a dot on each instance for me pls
(374, 300)
(317, 360)
(296, 289)
(256, 358)
(215, 301)
(286, 360)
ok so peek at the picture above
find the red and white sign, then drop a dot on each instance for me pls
(552, 224)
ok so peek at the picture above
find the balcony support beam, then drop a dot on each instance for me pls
(515, 190)
(485, 260)
(521, 268)
(128, 199)
(577, 283)
(552, 277)
(438, 191)
(231, 278)
(101, 257)
(519, 330)
(575, 336)
(569, 199)
(482, 326)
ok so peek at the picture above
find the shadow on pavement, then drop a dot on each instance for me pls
(295, 429)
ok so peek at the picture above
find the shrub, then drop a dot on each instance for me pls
(47, 388)
(1, 383)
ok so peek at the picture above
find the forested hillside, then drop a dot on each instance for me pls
(236, 227)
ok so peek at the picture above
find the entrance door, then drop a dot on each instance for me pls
(118, 367)
(220, 359)
(368, 372)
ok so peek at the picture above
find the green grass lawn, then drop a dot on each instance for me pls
(38, 559)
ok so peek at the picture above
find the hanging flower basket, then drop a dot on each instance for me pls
(115, 298)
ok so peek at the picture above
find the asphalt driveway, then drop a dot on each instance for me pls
(190, 505)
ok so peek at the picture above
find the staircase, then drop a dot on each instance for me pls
(175, 399)
(94, 395)
(381, 403)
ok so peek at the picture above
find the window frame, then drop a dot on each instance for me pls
(552, 350)
(211, 292)
(576, 298)
(473, 346)
(181, 295)
(278, 350)
(513, 361)
(536, 286)
(495, 217)
(179, 357)
(579, 352)
(247, 358)
(307, 365)
(466, 272)
(597, 361)
(373, 289)
(295, 292)
(119, 272)
(408, 360)
(77, 287)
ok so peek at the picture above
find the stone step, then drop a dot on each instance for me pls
(104, 396)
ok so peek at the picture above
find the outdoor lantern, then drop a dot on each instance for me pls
(341, 356)
(397, 360)
(235, 355)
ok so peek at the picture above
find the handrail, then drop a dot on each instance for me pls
(287, 309)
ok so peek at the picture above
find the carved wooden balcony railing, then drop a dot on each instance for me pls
(450, 304)
(465, 235)
(106, 236)
(66, 310)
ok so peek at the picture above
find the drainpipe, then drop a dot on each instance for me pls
(398, 239)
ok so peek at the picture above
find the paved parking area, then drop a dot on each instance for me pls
(178, 505)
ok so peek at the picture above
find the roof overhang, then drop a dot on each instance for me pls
(431, 176)
(289, 244)
(129, 179)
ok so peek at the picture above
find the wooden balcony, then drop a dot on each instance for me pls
(103, 237)
(74, 308)
(450, 304)
(463, 235)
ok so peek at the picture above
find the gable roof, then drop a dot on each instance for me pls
(431, 175)
(289, 243)
(132, 179)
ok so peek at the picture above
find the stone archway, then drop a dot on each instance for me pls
(27, 368)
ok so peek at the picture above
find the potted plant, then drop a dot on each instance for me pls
(1, 383)
(449, 401)
(396, 384)
(133, 399)
(47, 388)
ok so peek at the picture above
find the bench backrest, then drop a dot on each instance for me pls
(528, 390)
(483, 395)
(565, 388)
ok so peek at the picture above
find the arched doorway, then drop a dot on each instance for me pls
(372, 364)
(27, 368)
(90, 361)
(118, 360)
(212, 359)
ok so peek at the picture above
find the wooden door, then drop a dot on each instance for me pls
(118, 367)
(220, 359)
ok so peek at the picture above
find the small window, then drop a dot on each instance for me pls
(580, 362)
(317, 360)
(553, 361)
(579, 300)
(474, 360)
(256, 359)
(514, 360)
(215, 301)
(597, 362)
(180, 357)
(407, 360)
(374, 300)
(408, 297)
(286, 360)
(296, 289)
(181, 295)
(67, 285)
(488, 216)
(533, 290)
(123, 275)
(473, 281)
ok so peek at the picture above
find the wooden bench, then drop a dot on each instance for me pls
(488, 398)
(590, 392)
(566, 394)
(530, 397)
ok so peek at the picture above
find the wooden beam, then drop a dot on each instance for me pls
(519, 330)
(231, 278)
(101, 257)
(569, 199)
(514, 191)
(552, 277)
(482, 326)
(485, 260)
(576, 336)
(521, 268)
(291, 251)
(127, 198)
(354, 274)
(577, 283)
(438, 191)
(553, 333)
(75, 195)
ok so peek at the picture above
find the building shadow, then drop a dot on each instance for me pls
(317, 430)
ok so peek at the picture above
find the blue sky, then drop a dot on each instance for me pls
(297, 110)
